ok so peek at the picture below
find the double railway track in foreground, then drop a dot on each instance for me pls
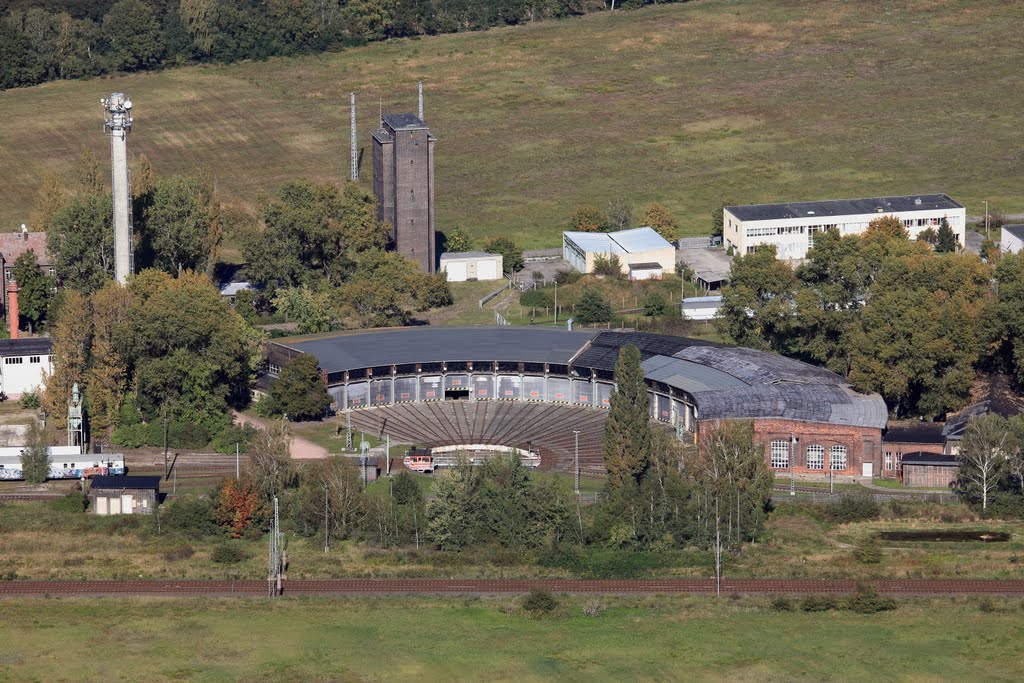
(386, 587)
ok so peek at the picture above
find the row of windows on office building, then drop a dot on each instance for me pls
(18, 360)
(780, 452)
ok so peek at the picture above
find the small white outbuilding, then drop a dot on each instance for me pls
(471, 266)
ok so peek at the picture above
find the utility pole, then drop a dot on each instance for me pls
(355, 153)
(165, 442)
(237, 470)
(576, 459)
(792, 464)
(327, 524)
(556, 302)
(987, 234)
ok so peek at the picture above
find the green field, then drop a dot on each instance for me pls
(492, 640)
(685, 104)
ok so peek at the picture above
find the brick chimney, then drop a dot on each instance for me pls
(12, 308)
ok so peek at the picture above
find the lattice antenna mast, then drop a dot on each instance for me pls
(117, 123)
(355, 154)
(421, 101)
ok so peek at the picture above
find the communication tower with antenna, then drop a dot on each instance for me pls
(117, 123)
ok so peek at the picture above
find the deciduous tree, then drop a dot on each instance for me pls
(300, 392)
(34, 290)
(661, 219)
(984, 456)
(35, 458)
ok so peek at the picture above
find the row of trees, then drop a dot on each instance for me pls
(41, 41)
(158, 347)
(317, 254)
(619, 216)
(177, 224)
(889, 313)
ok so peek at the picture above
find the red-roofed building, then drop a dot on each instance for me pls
(14, 244)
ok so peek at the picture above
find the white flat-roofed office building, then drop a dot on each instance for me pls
(642, 248)
(1012, 239)
(791, 227)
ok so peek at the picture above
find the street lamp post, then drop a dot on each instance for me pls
(792, 464)
(987, 234)
(576, 458)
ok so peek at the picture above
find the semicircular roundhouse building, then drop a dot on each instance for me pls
(509, 384)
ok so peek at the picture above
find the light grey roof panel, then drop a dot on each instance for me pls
(640, 239)
(688, 376)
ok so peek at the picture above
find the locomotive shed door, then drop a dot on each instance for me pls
(101, 506)
(126, 505)
(115, 506)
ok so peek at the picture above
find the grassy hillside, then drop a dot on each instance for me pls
(685, 104)
(401, 639)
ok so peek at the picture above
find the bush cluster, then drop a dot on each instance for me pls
(227, 553)
(75, 502)
(539, 601)
(865, 600)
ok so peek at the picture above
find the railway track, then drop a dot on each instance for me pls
(385, 587)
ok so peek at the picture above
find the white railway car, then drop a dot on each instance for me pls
(427, 460)
(66, 462)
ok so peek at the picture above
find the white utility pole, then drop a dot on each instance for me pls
(355, 153)
(576, 434)
(237, 470)
(117, 123)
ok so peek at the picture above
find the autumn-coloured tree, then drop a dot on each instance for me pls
(586, 219)
(107, 377)
(889, 226)
(239, 508)
(71, 338)
(658, 216)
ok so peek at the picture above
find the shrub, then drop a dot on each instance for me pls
(858, 507)
(540, 601)
(74, 502)
(866, 600)
(986, 605)
(782, 604)
(187, 435)
(224, 441)
(190, 516)
(868, 551)
(593, 608)
(537, 298)
(227, 553)
(179, 552)
(819, 603)
(29, 399)
(567, 277)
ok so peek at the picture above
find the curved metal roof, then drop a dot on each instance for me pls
(724, 381)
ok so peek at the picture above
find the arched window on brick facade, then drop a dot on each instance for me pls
(815, 457)
(780, 454)
(837, 457)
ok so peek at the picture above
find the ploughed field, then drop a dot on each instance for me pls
(686, 104)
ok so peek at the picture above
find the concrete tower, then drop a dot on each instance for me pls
(117, 123)
(403, 182)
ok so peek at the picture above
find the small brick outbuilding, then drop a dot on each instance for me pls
(124, 495)
(933, 470)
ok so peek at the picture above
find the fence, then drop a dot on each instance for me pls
(488, 297)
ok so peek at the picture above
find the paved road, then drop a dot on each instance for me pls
(386, 587)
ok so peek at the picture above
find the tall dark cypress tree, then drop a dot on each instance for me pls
(946, 240)
(627, 433)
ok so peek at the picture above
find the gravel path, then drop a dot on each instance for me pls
(300, 449)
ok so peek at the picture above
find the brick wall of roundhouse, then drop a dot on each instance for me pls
(863, 444)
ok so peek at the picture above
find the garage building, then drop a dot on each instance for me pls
(471, 266)
(124, 495)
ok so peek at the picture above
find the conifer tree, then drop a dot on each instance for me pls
(946, 240)
(627, 432)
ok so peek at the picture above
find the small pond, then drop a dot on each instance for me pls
(945, 536)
